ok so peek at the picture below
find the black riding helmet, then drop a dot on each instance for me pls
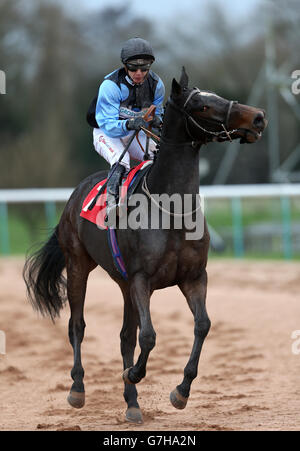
(136, 48)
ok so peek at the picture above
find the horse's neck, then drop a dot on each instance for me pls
(176, 169)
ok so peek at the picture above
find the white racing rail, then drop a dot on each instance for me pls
(209, 192)
(50, 196)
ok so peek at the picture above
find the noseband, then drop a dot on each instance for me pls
(224, 134)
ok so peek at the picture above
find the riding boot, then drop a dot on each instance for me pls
(112, 197)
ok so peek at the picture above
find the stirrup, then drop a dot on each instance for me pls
(110, 219)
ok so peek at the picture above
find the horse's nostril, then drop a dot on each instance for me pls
(259, 120)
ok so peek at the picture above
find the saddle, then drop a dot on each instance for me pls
(128, 186)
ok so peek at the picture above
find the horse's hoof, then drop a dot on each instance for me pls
(126, 376)
(76, 399)
(177, 400)
(134, 415)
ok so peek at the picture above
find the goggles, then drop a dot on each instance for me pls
(143, 64)
(136, 67)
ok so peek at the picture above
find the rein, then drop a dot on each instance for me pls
(224, 134)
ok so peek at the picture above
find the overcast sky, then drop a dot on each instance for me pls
(235, 9)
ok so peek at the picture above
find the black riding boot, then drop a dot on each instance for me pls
(113, 192)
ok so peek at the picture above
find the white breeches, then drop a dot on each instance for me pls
(111, 148)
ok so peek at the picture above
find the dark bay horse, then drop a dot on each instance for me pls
(154, 259)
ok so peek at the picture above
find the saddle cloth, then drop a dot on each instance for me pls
(98, 213)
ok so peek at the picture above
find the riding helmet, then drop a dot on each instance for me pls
(136, 47)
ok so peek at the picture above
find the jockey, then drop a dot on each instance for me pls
(117, 113)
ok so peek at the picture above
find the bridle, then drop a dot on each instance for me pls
(223, 134)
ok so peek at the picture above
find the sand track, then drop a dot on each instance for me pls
(248, 376)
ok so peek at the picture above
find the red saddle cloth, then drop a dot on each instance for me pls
(98, 213)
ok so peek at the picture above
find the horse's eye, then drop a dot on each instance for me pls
(204, 108)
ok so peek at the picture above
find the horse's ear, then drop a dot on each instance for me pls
(184, 80)
(176, 88)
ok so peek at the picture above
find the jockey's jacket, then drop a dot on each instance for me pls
(120, 99)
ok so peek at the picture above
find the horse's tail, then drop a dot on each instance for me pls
(42, 273)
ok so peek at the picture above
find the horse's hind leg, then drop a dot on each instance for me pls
(128, 343)
(195, 293)
(78, 269)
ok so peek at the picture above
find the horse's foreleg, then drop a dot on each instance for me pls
(140, 296)
(128, 343)
(195, 293)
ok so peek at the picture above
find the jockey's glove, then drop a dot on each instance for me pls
(156, 122)
(136, 123)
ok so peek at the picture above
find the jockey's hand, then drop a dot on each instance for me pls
(156, 122)
(136, 123)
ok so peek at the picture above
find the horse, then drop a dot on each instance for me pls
(155, 258)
